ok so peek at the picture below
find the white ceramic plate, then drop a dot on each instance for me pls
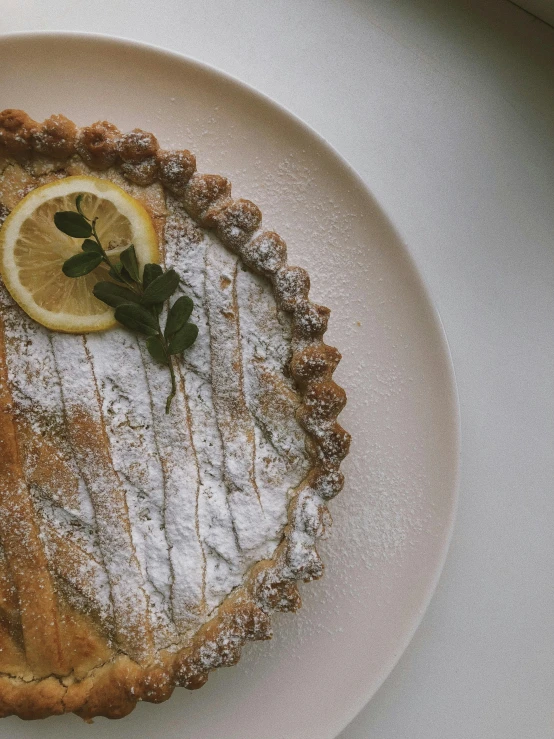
(394, 519)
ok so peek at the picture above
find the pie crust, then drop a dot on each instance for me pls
(70, 663)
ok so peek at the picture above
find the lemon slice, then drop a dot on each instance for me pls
(33, 250)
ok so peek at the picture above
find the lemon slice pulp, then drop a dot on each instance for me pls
(33, 250)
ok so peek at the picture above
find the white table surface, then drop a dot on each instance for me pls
(446, 108)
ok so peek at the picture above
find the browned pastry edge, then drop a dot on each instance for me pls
(114, 688)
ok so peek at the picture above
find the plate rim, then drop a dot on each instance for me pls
(415, 271)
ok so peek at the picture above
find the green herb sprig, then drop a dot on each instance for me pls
(138, 302)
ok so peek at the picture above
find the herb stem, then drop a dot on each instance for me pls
(173, 383)
(96, 238)
(93, 226)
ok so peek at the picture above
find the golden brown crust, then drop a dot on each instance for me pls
(137, 150)
(137, 146)
(56, 137)
(113, 688)
(234, 222)
(175, 169)
(98, 145)
(16, 128)
(202, 191)
(267, 253)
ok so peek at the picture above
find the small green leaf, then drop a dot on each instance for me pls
(151, 271)
(183, 339)
(128, 259)
(178, 315)
(89, 245)
(137, 318)
(81, 264)
(161, 288)
(126, 276)
(156, 349)
(73, 224)
(118, 272)
(78, 202)
(114, 295)
(115, 272)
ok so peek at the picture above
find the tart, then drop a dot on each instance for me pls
(140, 550)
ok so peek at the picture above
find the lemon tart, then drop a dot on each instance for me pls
(140, 550)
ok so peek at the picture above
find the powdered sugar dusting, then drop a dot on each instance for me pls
(162, 516)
